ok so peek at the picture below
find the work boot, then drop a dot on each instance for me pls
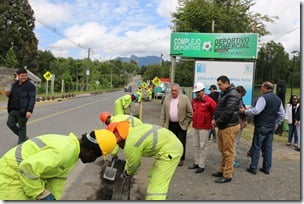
(218, 174)
(199, 170)
(194, 166)
(223, 180)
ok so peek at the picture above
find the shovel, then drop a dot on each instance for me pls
(110, 172)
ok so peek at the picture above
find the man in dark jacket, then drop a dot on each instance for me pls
(268, 114)
(226, 118)
(20, 106)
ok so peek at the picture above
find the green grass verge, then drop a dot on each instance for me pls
(247, 134)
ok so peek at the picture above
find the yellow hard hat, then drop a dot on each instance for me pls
(106, 140)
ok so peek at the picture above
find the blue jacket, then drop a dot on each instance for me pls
(27, 96)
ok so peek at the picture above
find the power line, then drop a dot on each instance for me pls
(60, 34)
(280, 35)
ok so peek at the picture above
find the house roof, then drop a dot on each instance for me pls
(11, 71)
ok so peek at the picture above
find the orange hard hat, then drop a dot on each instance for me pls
(103, 116)
(121, 127)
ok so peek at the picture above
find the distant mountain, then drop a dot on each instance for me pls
(141, 61)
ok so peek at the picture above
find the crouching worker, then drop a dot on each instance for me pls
(124, 102)
(38, 168)
(149, 140)
(107, 118)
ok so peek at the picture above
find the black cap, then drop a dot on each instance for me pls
(21, 71)
(212, 87)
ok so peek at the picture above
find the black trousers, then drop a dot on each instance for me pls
(180, 134)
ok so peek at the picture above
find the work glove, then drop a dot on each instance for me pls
(124, 174)
(114, 158)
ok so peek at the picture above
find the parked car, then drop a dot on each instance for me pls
(128, 89)
(162, 89)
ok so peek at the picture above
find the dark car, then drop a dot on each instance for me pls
(128, 89)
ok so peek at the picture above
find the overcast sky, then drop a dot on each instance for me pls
(142, 27)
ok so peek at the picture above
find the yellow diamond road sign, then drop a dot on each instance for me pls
(144, 85)
(156, 81)
(47, 75)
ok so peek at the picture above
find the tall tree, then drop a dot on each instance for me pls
(230, 16)
(16, 30)
(43, 63)
(272, 64)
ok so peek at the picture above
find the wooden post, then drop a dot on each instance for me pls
(173, 65)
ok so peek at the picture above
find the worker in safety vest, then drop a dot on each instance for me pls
(38, 168)
(107, 118)
(149, 92)
(122, 103)
(149, 140)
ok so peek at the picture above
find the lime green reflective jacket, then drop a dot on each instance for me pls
(121, 117)
(148, 140)
(134, 121)
(40, 163)
(122, 103)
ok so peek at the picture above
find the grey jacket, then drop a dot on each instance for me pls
(185, 112)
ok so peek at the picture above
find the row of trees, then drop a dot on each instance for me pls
(18, 47)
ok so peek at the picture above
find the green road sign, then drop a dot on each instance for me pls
(214, 45)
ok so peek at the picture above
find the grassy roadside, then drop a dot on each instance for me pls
(247, 134)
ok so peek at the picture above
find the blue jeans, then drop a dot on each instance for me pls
(262, 141)
(292, 131)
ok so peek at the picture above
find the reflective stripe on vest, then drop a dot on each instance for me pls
(153, 130)
(131, 119)
(18, 152)
(19, 159)
(29, 176)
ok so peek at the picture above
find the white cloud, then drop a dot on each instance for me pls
(167, 7)
(121, 28)
(289, 19)
(146, 41)
(50, 13)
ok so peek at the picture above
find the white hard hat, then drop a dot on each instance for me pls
(198, 86)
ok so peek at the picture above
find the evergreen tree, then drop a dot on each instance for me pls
(10, 59)
(16, 30)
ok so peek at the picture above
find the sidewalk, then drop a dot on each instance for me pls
(284, 182)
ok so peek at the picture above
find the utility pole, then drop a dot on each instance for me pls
(78, 66)
(212, 27)
(173, 65)
(291, 70)
(111, 75)
(88, 70)
(161, 59)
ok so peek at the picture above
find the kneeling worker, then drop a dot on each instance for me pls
(149, 140)
(122, 103)
(38, 168)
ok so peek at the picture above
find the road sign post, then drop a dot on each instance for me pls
(47, 75)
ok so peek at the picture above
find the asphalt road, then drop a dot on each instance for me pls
(77, 115)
